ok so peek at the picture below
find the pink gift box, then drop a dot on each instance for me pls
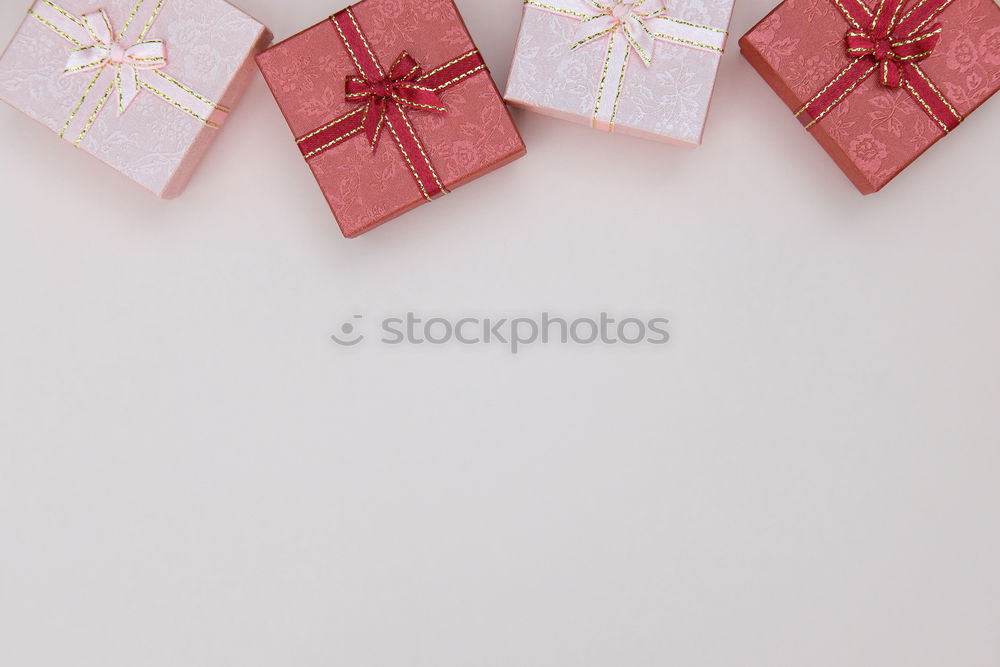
(645, 68)
(143, 85)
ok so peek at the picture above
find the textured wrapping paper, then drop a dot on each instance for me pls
(206, 49)
(666, 100)
(468, 135)
(876, 131)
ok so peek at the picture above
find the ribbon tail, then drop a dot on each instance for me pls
(639, 36)
(413, 151)
(127, 82)
(86, 59)
(374, 115)
(99, 27)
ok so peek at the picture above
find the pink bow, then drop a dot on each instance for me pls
(892, 51)
(104, 51)
(401, 87)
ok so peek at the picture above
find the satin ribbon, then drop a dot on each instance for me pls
(630, 26)
(385, 99)
(893, 43)
(125, 62)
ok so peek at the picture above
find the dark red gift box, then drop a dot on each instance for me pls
(392, 106)
(878, 84)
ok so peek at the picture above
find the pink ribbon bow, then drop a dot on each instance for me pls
(400, 86)
(105, 51)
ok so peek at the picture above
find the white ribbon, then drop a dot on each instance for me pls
(125, 62)
(629, 26)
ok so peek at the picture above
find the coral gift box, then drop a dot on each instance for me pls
(878, 84)
(144, 85)
(645, 67)
(391, 106)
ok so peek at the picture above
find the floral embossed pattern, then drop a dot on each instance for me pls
(307, 75)
(667, 101)
(210, 46)
(877, 131)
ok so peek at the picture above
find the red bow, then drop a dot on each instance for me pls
(384, 100)
(893, 42)
(892, 48)
(401, 86)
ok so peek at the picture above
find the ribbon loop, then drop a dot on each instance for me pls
(401, 86)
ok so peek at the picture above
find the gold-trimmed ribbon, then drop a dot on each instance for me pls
(630, 26)
(124, 62)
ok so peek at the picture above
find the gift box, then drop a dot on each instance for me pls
(878, 84)
(645, 68)
(391, 106)
(143, 85)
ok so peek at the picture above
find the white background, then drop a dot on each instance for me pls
(192, 473)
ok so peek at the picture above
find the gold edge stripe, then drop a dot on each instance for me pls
(331, 124)
(917, 39)
(406, 157)
(448, 64)
(65, 13)
(927, 108)
(914, 57)
(190, 92)
(937, 92)
(567, 12)
(92, 32)
(681, 40)
(93, 116)
(912, 9)
(364, 40)
(333, 143)
(850, 17)
(827, 87)
(618, 94)
(177, 104)
(128, 21)
(604, 78)
(694, 25)
(847, 92)
(420, 147)
(52, 27)
(152, 19)
(347, 45)
(118, 83)
(930, 18)
(592, 37)
(79, 104)
(96, 63)
(452, 82)
(646, 57)
(416, 105)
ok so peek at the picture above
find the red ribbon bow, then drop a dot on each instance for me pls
(892, 42)
(402, 86)
(384, 100)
